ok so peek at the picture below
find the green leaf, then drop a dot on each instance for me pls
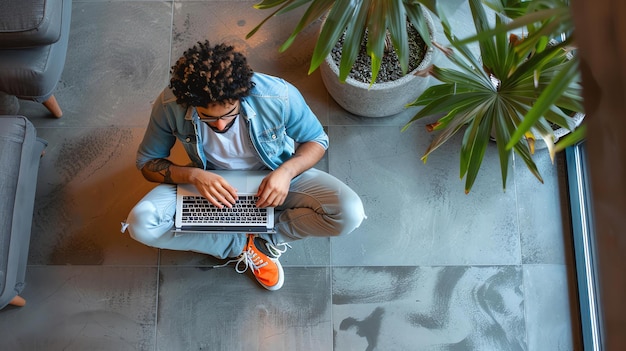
(560, 14)
(477, 146)
(471, 70)
(481, 22)
(376, 34)
(548, 61)
(549, 95)
(433, 93)
(502, 126)
(537, 40)
(417, 17)
(557, 116)
(495, 5)
(432, 5)
(316, 10)
(463, 57)
(449, 104)
(447, 133)
(572, 138)
(397, 25)
(275, 3)
(333, 27)
(488, 49)
(353, 39)
(522, 151)
(505, 58)
(462, 116)
(469, 79)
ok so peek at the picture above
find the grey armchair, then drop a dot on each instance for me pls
(33, 45)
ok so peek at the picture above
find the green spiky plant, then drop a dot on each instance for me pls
(383, 21)
(513, 92)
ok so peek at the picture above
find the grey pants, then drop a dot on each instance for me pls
(318, 204)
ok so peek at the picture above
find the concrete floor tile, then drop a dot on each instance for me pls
(418, 213)
(549, 309)
(83, 308)
(428, 308)
(87, 185)
(218, 309)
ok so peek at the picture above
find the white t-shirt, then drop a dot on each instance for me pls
(232, 149)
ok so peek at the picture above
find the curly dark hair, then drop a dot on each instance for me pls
(206, 74)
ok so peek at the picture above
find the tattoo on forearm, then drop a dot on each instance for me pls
(162, 167)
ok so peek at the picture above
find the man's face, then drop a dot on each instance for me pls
(219, 115)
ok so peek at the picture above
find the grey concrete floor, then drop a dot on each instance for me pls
(430, 269)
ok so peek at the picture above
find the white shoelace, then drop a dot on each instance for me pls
(248, 259)
(277, 252)
(251, 259)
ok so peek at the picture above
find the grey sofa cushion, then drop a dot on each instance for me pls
(19, 165)
(26, 23)
(33, 73)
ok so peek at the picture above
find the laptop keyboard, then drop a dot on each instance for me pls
(196, 209)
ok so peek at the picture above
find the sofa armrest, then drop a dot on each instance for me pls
(19, 164)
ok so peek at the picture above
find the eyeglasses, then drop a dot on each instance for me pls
(210, 119)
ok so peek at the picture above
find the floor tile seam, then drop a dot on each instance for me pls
(518, 224)
(83, 126)
(432, 265)
(539, 264)
(526, 312)
(171, 38)
(156, 301)
(296, 265)
(326, 266)
(361, 125)
(525, 309)
(119, 1)
(363, 266)
(331, 288)
(94, 265)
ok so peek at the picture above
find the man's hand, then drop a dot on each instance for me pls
(215, 188)
(273, 189)
(210, 185)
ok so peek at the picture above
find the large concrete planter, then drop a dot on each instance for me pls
(381, 99)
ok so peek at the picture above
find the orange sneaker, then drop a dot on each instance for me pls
(267, 270)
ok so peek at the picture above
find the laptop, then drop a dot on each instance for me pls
(196, 214)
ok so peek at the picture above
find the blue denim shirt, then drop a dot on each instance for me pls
(276, 115)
